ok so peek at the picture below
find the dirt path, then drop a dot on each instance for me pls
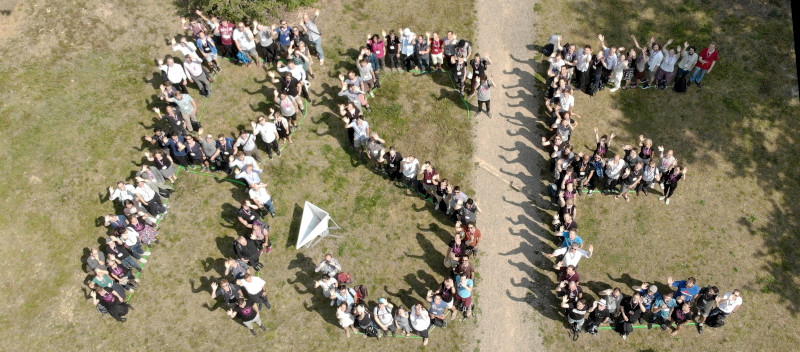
(507, 179)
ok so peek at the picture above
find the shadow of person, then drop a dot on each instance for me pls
(217, 264)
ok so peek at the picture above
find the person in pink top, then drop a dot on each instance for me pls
(378, 46)
(705, 63)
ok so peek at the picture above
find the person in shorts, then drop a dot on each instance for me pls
(248, 313)
(437, 51)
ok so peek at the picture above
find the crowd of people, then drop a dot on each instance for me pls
(640, 168)
(648, 66)
(180, 141)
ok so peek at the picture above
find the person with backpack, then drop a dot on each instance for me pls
(365, 323)
(346, 295)
(382, 314)
(576, 315)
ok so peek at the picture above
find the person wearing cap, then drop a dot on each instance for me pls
(649, 294)
(598, 315)
(662, 310)
(420, 321)
(407, 49)
(438, 310)
(687, 288)
(382, 314)
(572, 255)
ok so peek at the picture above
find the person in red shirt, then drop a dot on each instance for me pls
(705, 63)
(472, 236)
(226, 32)
(437, 51)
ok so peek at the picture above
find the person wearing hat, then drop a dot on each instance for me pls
(649, 294)
(598, 315)
(382, 314)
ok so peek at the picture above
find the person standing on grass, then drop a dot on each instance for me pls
(375, 151)
(392, 50)
(188, 108)
(240, 161)
(430, 178)
(407, 49)
(328, 286)
(576, 315)
(597, 175)
(649, 176)
(250, 175)
(354, 95)
(349, 113)
(247, 250)
(447, 291)
(460, 74)
(185, 48)
(112, 301)
(456, 249)
(614, 169)
(727, 305)
(584, 59)
(210, 152)
(484, 94)
(630, 69)
(246, 43)
(706, 301)
(422, 52)
(103, 279)
(393, 161)
(247, 144)
(261, 197)
(123, 276)
(147, 233)
(122, 254)
(612, 59)
(442, 194)
(178, 150)
(671, 179)
(268, 132)
(437, 51)
(631, 309)
(226, 29)
(630, 180)
(173, 73)
(361, 133)
(688, 60)
(411, 170)
(641, 64)
(176, 123)
(681, 316)
(248, 313)
(329, 266)
(464, 287)
(653, 60)
(149, 198)
(705, 63)
(618, 72)
(438, 311)
(284, 37)
(346, 319)
(382, 314)
(688, 289)
(649, 293)
(667, 69)
(596, 68)
(96, 259)
(230, 292)
(421, 321)
(195, 151)
(367, 74)
(213, 26)
(314, 34)
(194, 70)
(256, 289)
(209, 51)
(377, 46)
(266, 42)
(662, 310)
(598, 315)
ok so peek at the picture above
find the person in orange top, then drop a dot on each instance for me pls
(472, 236)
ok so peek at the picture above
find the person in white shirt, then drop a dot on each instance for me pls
(245, 42)
(268, 131)
(261, 197)
(174, 74)
(572, 255)
(410, 169)
(149, 198)
(256, 289)
(420, 321)
(361, 133)
(667, 69)
(250, 175)
(240, 160)
(656, 57)
(727, 305)
(122, 193)
(328, 286)
(196, 73)
(247, 144)
(583, 67)
(614, 168)
(185, 47)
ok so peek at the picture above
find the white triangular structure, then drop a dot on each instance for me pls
(314, 225)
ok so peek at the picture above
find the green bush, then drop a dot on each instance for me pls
(247, 10)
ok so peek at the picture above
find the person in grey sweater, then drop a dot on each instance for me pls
(484, 92)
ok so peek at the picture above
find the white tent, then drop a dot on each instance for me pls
(314, 225)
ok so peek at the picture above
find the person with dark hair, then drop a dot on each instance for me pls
(346, 318)
(584, 59)
(248, 313)
(268, 131)
(392, 50)
(328, 286)
(484, 92)
(256, 289)
(393, 161)
(479, 66)
(671, 179)
(662, 310)
(438, 311)
(247, 144)
(727, 305)
(706, 301)
(681, 315)
(460, 74)
(598, 315)
(631, 309)
(163, 163)
(576, 315)
(236, 268)
(114, 304)
(246, 249)
(422, 52)
(377, 46)
(420, 321)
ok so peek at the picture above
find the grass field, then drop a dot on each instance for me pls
(75, 104)
(734, 221)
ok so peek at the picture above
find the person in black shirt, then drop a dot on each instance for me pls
(670, 180)
(392, 50)
(246, 249)
(195, 151)
(631, 309)
(174, 119)
(393, 159)
(114, 304)
(478, 70)
(248, 313)
(576, 314)
(706, 301)
(230, 293)
(630, 180)
(598, 315)
(460, 74)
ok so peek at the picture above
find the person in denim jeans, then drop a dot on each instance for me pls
(122, 254)
(314, 34)
(705, 63)
(422, 50)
